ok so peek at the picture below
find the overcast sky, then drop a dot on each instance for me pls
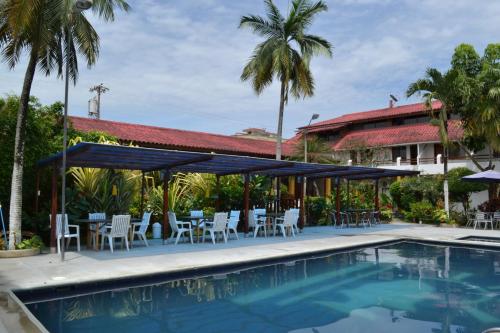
(177, 63)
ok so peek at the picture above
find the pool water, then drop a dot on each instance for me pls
(404, 287)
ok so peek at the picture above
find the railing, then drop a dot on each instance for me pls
(427, 160)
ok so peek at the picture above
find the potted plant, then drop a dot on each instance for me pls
(28, 247)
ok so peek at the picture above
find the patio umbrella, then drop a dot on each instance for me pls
(489, 176)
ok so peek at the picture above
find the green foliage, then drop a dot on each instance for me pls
(460, 191)
(276, 55)
(43, 137)
(34, 242)
(318, 210)
(318, 151)
(386, 214)
(413, 189)
(421, 211)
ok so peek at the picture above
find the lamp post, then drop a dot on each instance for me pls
(313, 117)
(304, 188)
(78, 7)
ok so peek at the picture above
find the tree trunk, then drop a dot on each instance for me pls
(445, 172)
(280, 121)
(16, 194)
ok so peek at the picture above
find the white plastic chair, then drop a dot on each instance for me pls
(67, 233)
(259, 221)
(232, 225)
(344, 219)
(375, 217)
(296, 211)
(483, 218)
(219, 225)
(471, 217)
(364, 219)
(288, 221)
(141, 229)
(120, 226)
(100, 226)
(496, 219)
(179, 228)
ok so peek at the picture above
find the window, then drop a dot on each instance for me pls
(399, 152)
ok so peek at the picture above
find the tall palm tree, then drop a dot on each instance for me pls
(276, 56)
(436, 86)
(40, 28)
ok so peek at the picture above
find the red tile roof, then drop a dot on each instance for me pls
(368, 116)
(180, 139)
(396, 135)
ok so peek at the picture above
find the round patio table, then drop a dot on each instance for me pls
(272, 216)
(133, 222)
(198, 220)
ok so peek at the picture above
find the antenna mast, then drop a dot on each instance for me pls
(99, 89)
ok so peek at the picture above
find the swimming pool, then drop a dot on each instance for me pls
(402, 287)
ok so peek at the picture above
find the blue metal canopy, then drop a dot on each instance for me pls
(94, 155)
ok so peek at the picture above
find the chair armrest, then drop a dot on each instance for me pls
(184, 223)
(77, 227)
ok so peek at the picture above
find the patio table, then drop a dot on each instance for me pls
(133, 222)
(272, 216)
(198, 220)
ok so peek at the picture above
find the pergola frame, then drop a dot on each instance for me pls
(93, 155)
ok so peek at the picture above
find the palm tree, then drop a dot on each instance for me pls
(277, 57)
(40, 28)
(318, 151)
(436, 86)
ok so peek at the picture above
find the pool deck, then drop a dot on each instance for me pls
(86, 266)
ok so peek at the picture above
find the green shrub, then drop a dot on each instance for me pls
(34, 242)
(385, 214)
(414, 189)
(318, 210)
(421, 211)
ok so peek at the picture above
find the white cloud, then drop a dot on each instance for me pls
(177, 63)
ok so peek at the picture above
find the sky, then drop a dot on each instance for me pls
(178, 63)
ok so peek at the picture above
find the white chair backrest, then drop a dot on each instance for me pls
(97, 216)
(220, 221)
(482, 216)
(234, 218)
(290, 218)
(172, 220)
(59, 224)
(145, 222)
(251, 219)
(259, 212)
(496, 215)
(120, 225)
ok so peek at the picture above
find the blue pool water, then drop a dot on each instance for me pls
(404, 287)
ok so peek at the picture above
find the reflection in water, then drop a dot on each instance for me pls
(405, 287)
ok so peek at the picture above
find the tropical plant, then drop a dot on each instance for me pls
(276, 56)
(442, 87)
(40, 28)
(413, 189)
(34, 242)
(176, 190)
(461, 191)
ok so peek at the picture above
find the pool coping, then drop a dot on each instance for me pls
(226, 268)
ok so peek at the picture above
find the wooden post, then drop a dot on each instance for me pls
(37, 189)
(302, 215)
(337, 199)
(291, 186)
(217, 191)
(53, 210)
(142, 194)
(166, 227)
(328, 188)
(377, 204)
(246, 196)
(277, 202)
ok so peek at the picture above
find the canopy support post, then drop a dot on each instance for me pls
(246, 196)
(166, 228)
(53, 209)
(377, 203)
(348, 196)
(337, 198)
(217, 190)
(142, 193)
(302, 215)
